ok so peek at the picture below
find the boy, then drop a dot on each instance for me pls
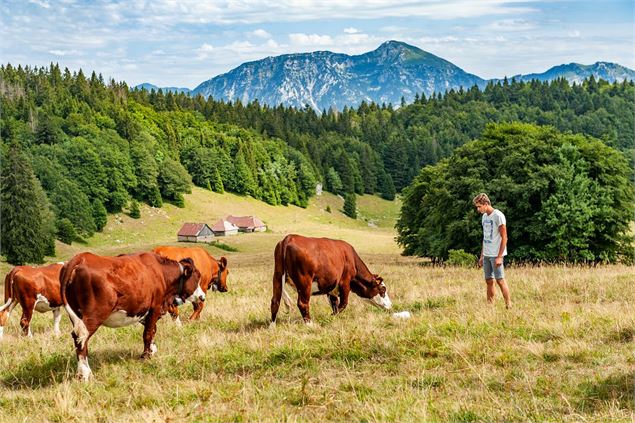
(494, 247)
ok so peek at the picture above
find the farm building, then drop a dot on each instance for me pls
(224, 227)
(195, 232)
(247, 223)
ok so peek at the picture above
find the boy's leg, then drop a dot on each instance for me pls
(488, 272)
(490, 290)
(505, 291)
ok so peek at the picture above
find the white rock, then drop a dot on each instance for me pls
(402, 315)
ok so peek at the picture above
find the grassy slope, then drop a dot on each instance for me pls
(563, 353)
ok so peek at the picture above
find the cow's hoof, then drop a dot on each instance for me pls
(272, 325)
(309, 323)
(153, 348)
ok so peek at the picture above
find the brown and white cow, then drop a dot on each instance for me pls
(35, 289)
(213, 272)
(315, 266)
(119, 291)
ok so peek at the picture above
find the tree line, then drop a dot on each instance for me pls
(96, 147)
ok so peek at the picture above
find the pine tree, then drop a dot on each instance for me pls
(217, 182)
(135, 213)
(350, 206)
(66, 231)
(25, 228)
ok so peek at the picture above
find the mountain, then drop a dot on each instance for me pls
(323, 79)
(575, 72)
(149, 87)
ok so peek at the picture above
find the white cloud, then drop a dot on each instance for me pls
(204, 51)
(310, 39)
(511, 25)
(351, 30)
(261, 33)
(574, 34)
(58, 52)
(40, 3)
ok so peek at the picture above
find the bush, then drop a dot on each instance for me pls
(461, 258)
(66, 231)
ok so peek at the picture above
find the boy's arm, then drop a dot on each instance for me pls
(499, 258)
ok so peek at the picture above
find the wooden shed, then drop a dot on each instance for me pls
(247, 223)
(224, 227)
(195, 232)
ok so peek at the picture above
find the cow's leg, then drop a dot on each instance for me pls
(174, 312)
(28, 305)
(57, 316)
(198, 307)
(4, 316)
(334, 302)
(149, 330)
(344, 292)
(83, 369)
(304, 295)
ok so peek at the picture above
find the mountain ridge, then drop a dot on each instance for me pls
(395, 70)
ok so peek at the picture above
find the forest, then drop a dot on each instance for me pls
(75, 148)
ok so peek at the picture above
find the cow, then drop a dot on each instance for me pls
(213, 272)
(315, 266)
(35, 289)
(119, 291)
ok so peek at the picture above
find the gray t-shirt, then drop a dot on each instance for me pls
(491, 234)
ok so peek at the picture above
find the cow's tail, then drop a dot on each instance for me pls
(9, 299)
(66, 278)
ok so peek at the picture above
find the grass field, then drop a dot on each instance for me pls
(564, 352)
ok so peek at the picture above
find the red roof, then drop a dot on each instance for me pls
(245, 221)
(223, 225)
(191, 229)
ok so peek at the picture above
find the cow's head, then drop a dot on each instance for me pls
(374, 291)
(219, 280)
(189, 287)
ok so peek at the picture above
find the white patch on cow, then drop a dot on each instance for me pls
(315, 288)
(381, 302)
(1, 331)
(57, 316)
(197, 296)
(153, 348)
(286, 299)
(178, 322)
(42, 304)
(272, 325)
(6, 305)
(120, 318)
(309, 323)
(83, 369)
(29, 334)
(335, 291)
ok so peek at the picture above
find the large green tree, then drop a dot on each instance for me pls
(567, 198)
(26, 226)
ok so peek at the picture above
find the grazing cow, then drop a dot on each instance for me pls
(213, 272)
(119, 291)
(34, 288)
(315, 266)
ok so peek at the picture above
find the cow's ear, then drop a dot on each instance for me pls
(378, 279)
(188, 265)
(223, 263)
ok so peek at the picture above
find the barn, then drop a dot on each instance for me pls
(247, 223)
(195, 232)
(224, 227)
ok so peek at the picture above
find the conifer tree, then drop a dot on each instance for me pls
(350, 205)
(25, 225)
(135, 213)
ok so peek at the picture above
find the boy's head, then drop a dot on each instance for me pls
(481, 200)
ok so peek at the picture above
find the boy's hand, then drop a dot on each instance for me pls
(480, 262)
(498, 261)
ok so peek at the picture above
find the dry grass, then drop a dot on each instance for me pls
(563, 353)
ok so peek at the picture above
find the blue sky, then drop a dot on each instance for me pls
(185, 42)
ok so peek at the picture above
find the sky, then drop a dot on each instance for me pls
(183, 43)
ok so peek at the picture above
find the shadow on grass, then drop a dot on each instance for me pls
(618, 389)
(43, 372)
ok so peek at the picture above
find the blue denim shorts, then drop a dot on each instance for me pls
(491, 271)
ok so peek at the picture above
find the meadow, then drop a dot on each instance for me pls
(564, 352)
